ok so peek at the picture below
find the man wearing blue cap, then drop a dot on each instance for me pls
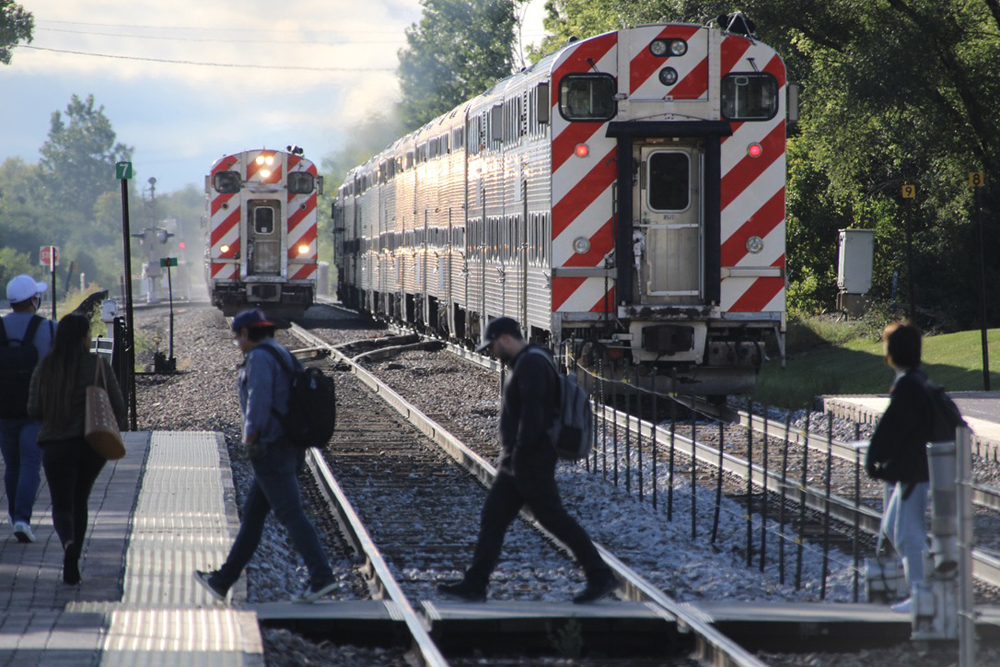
(264, 388)
(526, 470)
(18, 433)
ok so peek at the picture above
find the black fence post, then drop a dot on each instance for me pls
(826, 507)
(750, 485)
(802, 505)
(718, 485)
(781, 504)
(694, 475)
(763, 509)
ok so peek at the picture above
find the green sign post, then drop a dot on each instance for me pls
(123, 172)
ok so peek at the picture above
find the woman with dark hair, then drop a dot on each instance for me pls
(58, 396)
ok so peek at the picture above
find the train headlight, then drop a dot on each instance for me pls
(755, 244)
(668, 76)
(259, 159)
(304, 248)
(269, 160)
(663, 48)
(265, 173)
(581, 245)
(224, 248)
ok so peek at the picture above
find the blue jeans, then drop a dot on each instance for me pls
(275, 486)
(904, 523)
(22, 459)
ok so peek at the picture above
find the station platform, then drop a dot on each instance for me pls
(981, 410)
(165, 509)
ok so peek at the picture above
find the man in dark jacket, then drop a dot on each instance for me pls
(526, 474)
(898, 454)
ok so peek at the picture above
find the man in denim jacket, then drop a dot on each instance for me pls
(264, 388)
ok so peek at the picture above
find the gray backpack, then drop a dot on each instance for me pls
(572, 430)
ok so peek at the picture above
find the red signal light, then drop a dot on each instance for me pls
(582, 150)
(182, 245)
(754, 150)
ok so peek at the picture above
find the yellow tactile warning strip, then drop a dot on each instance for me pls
(981, 411)
(181, 523)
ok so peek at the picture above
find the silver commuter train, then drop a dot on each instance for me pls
(622, 198)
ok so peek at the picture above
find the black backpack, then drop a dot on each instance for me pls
(572, 428)
(312, 404)
(17, 363)
(947, 416)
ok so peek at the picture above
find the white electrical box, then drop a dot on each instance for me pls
(855, 256)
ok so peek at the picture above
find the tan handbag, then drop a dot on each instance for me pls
(101, 427)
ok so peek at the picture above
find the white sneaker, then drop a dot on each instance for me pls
(904, 607)
(22, 532)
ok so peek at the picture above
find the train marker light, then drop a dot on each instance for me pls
(581, 245)
(755, 150)
(303, 249)
(224, 248)
(668, 76)
(582, 150)
(755, 244)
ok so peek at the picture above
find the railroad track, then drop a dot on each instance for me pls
(417, 476)
(854, 512)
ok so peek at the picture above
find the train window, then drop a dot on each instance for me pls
(669, 184)
(749, 96)
(587, 97)
(226, 182)
(263, 220)
(301, 182)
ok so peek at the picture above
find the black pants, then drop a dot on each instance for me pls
(539, 492)
(71, 468)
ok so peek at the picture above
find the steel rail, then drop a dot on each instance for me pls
(712, 645)
(983, 495)
(986, 566)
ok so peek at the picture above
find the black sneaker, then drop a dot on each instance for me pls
(464, 591)
(316, 589)
(216, 591)
(600, 586)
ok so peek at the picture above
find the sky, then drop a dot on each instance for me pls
(173, 77)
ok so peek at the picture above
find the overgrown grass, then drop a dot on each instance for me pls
(828, 357)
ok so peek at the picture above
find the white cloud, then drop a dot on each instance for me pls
(177, 115)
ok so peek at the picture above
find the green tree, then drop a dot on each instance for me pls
(16, 25)
(458, 50)
(79, 157)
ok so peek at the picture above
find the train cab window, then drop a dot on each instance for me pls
(584, 97)
(226, 182)
(749, 96)
(669, 184)
(301, 182)
(263, 220)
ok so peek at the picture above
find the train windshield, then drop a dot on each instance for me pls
(669, 181)
(749, 96)
(587, 96)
